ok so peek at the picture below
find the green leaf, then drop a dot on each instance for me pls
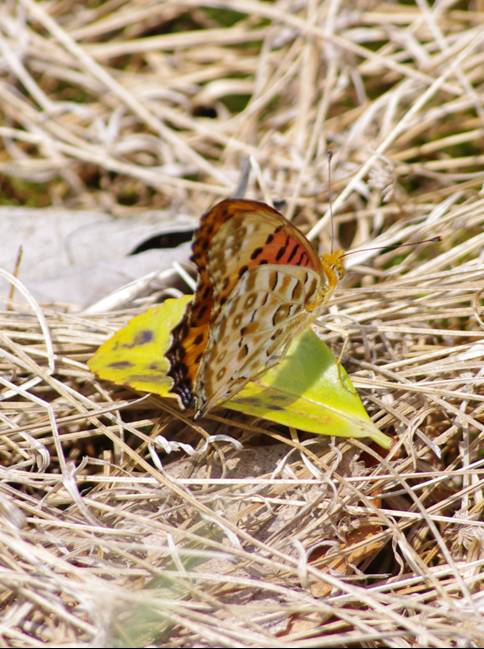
(308, 389)
(311, 391)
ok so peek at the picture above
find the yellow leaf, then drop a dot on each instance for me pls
(307, 390)
(311, 391)
(135, 355)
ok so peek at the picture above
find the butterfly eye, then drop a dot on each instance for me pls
(339, 268)
(333, 266)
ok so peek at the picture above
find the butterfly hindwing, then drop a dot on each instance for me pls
(267, 308)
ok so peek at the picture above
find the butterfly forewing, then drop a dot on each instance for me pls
(253, 234)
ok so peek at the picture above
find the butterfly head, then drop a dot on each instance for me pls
(333, 268)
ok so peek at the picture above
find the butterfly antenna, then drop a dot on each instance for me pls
(330, 199)
(393, 246)
(241, 189)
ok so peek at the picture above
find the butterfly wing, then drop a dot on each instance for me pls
(244, 235)
(265, 311)
(234, 238)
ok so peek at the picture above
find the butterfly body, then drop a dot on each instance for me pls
(260, 284)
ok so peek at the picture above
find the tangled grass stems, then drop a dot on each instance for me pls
(274, 539)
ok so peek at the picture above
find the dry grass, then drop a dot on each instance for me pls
(263, 537)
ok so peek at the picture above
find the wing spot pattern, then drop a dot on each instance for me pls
(243, 352)
(273, 279)
(296, 291)
(250, 301)
(280, 252)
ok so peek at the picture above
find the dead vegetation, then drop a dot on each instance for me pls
(113, 535)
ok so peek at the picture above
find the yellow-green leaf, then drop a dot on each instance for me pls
(134, 355)
(311, 391)
(307, 390)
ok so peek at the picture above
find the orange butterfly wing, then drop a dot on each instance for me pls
(242, 249)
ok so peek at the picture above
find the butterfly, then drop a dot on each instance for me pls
(260, 284)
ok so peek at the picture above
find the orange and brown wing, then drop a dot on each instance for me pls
(234, 237)
(266, 310)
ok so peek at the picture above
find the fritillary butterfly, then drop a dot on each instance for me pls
(260, 283)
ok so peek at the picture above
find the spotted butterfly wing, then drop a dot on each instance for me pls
(259, 284)
(262, 315)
